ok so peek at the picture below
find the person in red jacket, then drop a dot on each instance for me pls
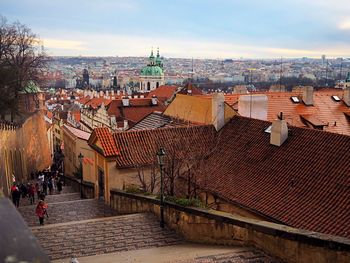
(41, 211)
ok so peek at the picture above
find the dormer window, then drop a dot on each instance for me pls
(336, 98)
(295, 99)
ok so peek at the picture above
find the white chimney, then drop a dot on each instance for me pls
(107, 93)
(308, 95)
(218, 110)
(126, 125)
(346, 97)
(101, 94)
(118, 92)
(135, 96)
(112, 92)
(279, 131)
(125, 101)
(154, 100)
(253, 106)
(142, 96)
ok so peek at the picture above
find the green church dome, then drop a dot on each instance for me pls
(152, 71)
(154, 67)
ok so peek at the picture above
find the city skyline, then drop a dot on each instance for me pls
(224, 29)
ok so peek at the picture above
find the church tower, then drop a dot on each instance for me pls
(152, 76)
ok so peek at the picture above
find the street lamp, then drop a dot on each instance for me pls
(160, 156)
(81, 157)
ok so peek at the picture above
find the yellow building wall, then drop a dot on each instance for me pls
(195, 109)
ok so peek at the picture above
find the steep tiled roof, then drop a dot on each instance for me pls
(305, 183)
(157, 120)
(136, 111)
(77, 133)
(163, 92)
(106, 140)
(97, 102)
(325, 109)
(140, 147)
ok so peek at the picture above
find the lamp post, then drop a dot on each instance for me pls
(81, 157)
(160, 156)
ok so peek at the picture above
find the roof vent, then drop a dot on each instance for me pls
(279, 131)
(336, 98)
(154, 100)
(125, 101)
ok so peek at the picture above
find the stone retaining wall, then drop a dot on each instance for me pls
(88, 188)
(214, 227)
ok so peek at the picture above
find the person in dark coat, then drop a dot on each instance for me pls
(59, 186)
(16, 195)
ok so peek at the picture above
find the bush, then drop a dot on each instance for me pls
(133, 189)
(185, 201)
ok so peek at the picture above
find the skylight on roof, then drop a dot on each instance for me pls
(268, 129)
(295, 99)
(335, 98)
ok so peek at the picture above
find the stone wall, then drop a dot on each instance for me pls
(23, 149)
(214, 227)
(88, 189)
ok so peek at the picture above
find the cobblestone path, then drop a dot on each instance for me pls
(113, 234)
(68, 211)
(55, 198)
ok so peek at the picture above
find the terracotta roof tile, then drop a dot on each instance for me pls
(106, 139)
(305, 183)
(138, 148)
(163, 92)
(325, 109)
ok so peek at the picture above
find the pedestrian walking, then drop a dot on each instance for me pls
(50, 186)
(31, 193)
(16, 195)
(59, 186)
(41, 211)
(45, 187)
(37, 189)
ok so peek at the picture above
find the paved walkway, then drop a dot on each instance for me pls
(182, 253)
(68, 211)
(107, 235)
(93, 232)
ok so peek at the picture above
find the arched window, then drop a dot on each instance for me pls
(157, 85)
(148, 86)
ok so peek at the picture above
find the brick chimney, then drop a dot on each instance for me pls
(279, 131)
(253, 106)
(154, 100)
(308, 95)
(346, 97)
(125, 101)
(218, 110)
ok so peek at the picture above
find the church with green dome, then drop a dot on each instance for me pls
(152, 75)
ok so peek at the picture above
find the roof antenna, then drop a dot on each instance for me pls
(281, 75)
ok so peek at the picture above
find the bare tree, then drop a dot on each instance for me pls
(22, 60)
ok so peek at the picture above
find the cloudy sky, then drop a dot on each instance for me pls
(188, 28)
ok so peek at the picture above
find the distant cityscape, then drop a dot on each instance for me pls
(208, 74)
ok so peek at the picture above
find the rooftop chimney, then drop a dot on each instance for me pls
(240, 89)
(218, 110)
(308, 95)
(253, 106)
(154, 100)
(279, 131)
(347, 96)
(125, 101)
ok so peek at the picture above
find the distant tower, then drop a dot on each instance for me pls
(85, 78)
(323, 59)
(152, 76)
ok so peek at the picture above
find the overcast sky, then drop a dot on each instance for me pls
(188, 28)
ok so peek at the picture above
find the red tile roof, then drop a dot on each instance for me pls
(163, 92)
(325, 109)
(136, 111)
(138, 148)
(105, 138)
(97, 102)
(305, 183)
(77, 133)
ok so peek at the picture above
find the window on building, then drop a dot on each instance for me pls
(335, 98)
(295, 99)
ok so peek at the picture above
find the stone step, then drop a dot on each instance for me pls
(52, 198)
(68, 211)
(112, 234)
